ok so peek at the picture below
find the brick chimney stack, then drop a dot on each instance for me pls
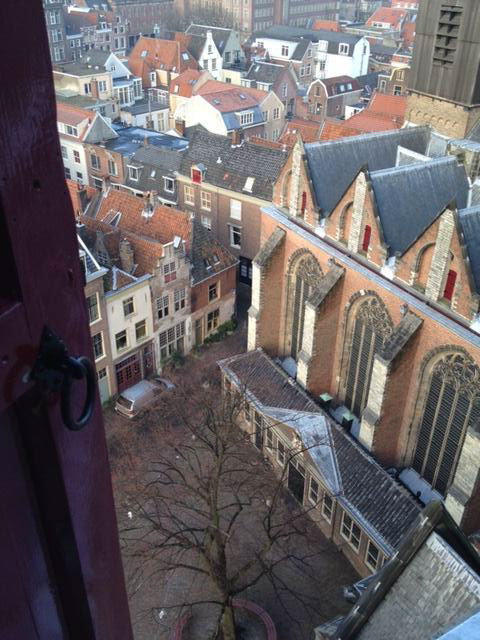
(125, 251)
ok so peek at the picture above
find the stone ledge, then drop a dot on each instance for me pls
(270, 247)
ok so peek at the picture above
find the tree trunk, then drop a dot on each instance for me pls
(227, 623)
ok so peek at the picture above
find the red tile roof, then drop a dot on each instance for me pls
(183, 84)
(309, 131)
(261, 142)
(335, 129)
(368, 122)
(68, 114)
(326, 25)
(230, 97)
(393, 107)
(393, 17)
(80, 195)
(150, 54)
(408, 33)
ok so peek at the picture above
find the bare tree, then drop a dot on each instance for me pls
(213, 16)
(194, 508)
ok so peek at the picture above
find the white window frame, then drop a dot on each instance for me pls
(276, 113)
(128, 301)
(370, 565)
(120, 349)
(343, 49)
(102, 355)
(246, 118)
(206, 200)
(313, 494)
(162, 306)
(137, 324)
(131, 171)
(206, 222)
(112, 167)
(350, 537)
(179, 299)
(281, 452)
(189, 194)
(166, 181)
(232, 230)
(327, 511)
(235, 209)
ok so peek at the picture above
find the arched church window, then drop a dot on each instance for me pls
(371, 327)
(452, 404)
(304, 281)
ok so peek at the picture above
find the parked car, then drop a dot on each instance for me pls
(137, 398)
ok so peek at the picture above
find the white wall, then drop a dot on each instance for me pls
(361, 57)
(208, 60)
(117, 321)
(69, 162)
(274, 47)
(140, 120)
(199, 111)
(337, 65)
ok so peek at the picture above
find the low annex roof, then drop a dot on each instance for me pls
(379, 502)
(334, 165)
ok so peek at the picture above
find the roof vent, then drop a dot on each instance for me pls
(242, 96)
(216, 101)
(249, 184)
(219, 160)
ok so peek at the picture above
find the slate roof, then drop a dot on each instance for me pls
(334, 165)
(265, 72)
(301, 49)
(194, 43)
(155, 163)
(285, 32)
(237, 163)
(220, 35)
(207, 255)
(340, 85)
(470, 224)
(411, 197)
(144, 106)
(130, 139)
(384, 508)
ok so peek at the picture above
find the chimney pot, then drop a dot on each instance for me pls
(180, 127)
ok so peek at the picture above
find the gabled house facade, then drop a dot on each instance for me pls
(227, 42)
(278, 78)
(328, 98)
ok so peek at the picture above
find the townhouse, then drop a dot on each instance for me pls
(278, 78)
(330, 97)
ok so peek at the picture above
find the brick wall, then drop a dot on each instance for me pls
(447, 118)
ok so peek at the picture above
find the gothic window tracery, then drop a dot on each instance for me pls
(371, 328)
(452, 404)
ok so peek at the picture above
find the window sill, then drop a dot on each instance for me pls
(140, 340)
(122, 349)
(100, 358)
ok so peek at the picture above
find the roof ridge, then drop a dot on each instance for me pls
(376, 134)
(412, 167)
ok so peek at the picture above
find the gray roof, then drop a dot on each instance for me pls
(144, 106)
(219, 35)
(470, 224)
(207, 255)
(284, 32)
(93, 60)
(229, 166)
(384, 508)
(474, 133)
(265, 72)
(301, 49)
(411, 197)
(130, 139)
(195, 45)
(155, 163)
(334, 165)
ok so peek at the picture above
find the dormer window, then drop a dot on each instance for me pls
(343, 49)
(169, 185)
(71, 131)
(198, 174)
(285, 50)
(246, 118)
(133, 173)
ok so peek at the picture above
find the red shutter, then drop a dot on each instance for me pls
(366, 237)
(450, 285)
(196, 176)
(304, 202)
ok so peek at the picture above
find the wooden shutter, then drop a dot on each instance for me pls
(304, 203)
(450, 285)
(366, 237)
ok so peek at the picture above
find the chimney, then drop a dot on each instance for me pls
(180, 127)
(237, 137)
(94, 89)
(106, 185)
(125, 251)
(152, 196)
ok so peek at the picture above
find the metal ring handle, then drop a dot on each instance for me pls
(77, 368)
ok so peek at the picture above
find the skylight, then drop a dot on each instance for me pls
(242, 96)
(185, 55)
(249, 184)
(216, 101)
(143, 54)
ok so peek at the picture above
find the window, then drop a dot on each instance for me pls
(247, 411)
(372, 556)
(87, 88)
(450, 285)
(133, 173)
(327, 507)
(94, 161)
(383, 85)
(313, 491)
(189, 195)
(370, 327)
(366, 237)
(397, 90)
(284, 91)
(169, 185)
(309, 53)
(172, 340)
(302, 71)
(265, 116)
(212, 292)
(235, 237)
(97, 341)
(276, 113)
(64, 152)
(308, 69)
(227, 57)
(179, 299)
(121, 340)
(246, 118)
(80, 176)
(206, 222)
(351, 532)
(98, 182)
(68, 174)
(153, 79)
(140, 330)
(102, 86)
(128, 307)
(303, 206)
(214, 64)
(162, 307)
(451, 406)
(76, 156)
(284, 50)
(170, 271)
(269, 439)
(343, 49)
(209, 49)
(206, 200)
(212, 320)
(281, 452)
(235, 209)
(112, 167)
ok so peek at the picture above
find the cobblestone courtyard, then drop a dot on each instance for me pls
(313, 589)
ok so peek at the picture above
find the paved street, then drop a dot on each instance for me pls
(308, 593)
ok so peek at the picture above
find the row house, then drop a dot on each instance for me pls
(315, 54)
(369, 274)
(330, 97)
(225, 181)
(101, 30)
(319, 462)
(169, 285)
(278, 78)
(227, 42)
(223, 108)
(204, 49)
(158, 61)
(55, 24)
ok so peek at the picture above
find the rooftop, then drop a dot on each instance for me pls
(131, 138)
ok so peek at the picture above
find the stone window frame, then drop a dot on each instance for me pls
(346, 210)
(418, 261)
(355, 301)
(293, 265)
(418, 404)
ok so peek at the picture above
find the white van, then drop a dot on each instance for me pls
(133, 400)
